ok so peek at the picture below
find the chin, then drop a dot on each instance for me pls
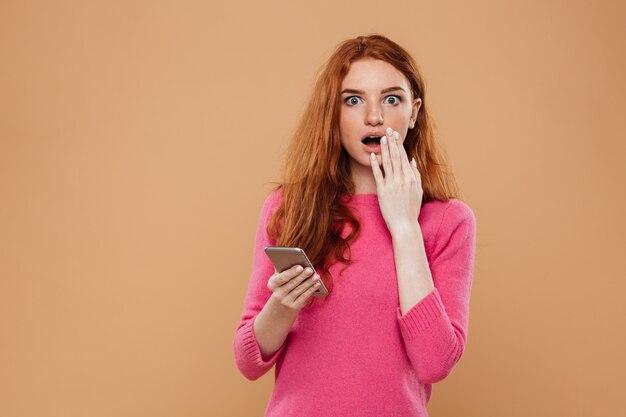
(365, 162)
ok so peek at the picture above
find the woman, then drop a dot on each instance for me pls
(367, 194)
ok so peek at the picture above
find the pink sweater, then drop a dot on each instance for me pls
(355, 354)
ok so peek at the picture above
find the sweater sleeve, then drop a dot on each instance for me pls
(435, 329)
(247, 353)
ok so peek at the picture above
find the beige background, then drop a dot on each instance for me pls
(139, 139)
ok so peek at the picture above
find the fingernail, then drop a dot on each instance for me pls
(383, 140)
(389, 131)
(299, 268)
(372, 155)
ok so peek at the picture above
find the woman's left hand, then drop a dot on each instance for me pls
(400, 189)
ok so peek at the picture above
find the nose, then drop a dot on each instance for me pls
(374, 115)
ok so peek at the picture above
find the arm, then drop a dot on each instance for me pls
(272, 326)
(414, 277)
(251, 361)
(434, 329)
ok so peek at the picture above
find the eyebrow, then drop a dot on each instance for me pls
(386, 90)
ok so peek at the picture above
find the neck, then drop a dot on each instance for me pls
(363, 179)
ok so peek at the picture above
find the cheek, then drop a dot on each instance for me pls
(345, 129)
(342, 141)
(342, 123)
(399, 119)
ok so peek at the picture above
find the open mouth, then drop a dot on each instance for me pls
(371, 140)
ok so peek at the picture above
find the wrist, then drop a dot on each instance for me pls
(406, 230)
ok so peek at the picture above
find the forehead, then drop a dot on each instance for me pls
(373, 73)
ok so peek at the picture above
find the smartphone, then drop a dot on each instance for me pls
(285, 257)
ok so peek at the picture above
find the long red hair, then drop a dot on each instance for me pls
(316, 171)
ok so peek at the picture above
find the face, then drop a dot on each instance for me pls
(374, 96)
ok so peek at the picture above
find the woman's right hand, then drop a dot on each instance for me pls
(292, 287)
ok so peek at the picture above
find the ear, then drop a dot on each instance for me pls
(417, 103)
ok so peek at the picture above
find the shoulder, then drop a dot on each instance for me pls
(271, 203)
(451, 214)
(274, 198)
(456, 232)
(459, 211)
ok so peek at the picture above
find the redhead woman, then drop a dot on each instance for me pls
(368, 195)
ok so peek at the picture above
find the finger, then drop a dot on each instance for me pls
(305, 280)
(302, 288)
(384, 150)
(286, 278)
(307, 293)
(295, 281)
(395, 153)
(378, 175)
(407, 171)
(280, 278)
(417, 174)
(289, 274)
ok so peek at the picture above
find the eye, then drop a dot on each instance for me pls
(354, 100)
(395, 99)
(351, 100)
